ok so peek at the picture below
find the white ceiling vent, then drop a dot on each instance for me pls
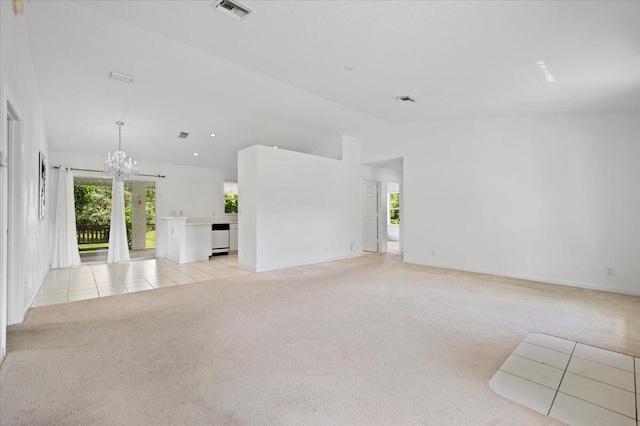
(232, 9)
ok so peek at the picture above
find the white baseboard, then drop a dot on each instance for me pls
(247, 267)
(34, 295)
(537, 279)
(307, 262)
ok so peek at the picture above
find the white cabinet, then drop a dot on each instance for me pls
(187, 242)
(190, 239)
(233, 237)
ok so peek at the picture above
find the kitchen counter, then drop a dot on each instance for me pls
(189, 238)
(208, 220)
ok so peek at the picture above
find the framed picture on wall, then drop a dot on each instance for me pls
(43, 186)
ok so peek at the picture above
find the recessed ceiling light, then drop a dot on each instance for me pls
(275, 146)
(348, 68)
(195, 153)
(213, 135)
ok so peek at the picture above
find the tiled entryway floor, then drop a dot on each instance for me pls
(572, 382)
(100, 280)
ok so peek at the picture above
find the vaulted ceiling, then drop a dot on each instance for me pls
(298, 74)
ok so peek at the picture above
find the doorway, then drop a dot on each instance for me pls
(391, 216)
(92, 198)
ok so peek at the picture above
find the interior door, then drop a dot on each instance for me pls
(3, 255)
(370, 215)
(4, 198)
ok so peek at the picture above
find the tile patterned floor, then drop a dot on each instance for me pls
(571, 382)
(100, 280)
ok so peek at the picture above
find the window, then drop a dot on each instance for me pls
(394, 208)
(231, 197)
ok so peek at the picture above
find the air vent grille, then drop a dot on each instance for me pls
(232, 9)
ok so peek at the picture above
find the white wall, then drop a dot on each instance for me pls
(196, 191)
(29, 255)
(307, 208)
(550, 198)
(248, 207)
(331, 149)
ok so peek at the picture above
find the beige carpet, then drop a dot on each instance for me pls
(363, 341)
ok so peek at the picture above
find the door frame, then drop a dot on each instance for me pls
(10, 134)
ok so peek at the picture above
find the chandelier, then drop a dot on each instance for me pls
(117, 165)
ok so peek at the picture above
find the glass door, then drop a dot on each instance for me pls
(93, 218)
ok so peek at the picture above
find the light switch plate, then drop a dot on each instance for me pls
(3, 159)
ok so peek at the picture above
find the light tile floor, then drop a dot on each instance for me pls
(575, 383)
(100, 280)
(393, 247)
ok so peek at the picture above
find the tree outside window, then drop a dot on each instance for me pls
(231, 198)
(394, 208)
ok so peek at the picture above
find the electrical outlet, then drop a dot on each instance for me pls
(353, 246)
(610, 272)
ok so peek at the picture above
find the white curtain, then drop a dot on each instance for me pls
(118, 246)
(65, 244)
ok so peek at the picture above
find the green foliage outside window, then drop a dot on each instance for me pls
(151, 210)
(394, 208)
(231, 203)
(93, 205)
